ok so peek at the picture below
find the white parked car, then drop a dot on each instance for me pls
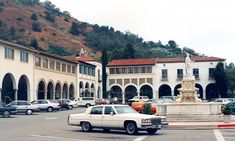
(109, 117)
(49, 105)
(85, 101)
(23, 106)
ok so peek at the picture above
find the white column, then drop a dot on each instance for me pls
(45, 95)
(138, 93)
(204, 94)
(123, 98)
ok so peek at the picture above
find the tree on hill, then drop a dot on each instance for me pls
(230, 72)
(74, 29)
(220, 80)
(128, 52)
(34, 43)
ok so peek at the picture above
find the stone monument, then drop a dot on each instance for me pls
(188, 104)
(188, 91)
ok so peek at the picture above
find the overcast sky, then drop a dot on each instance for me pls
(207, 26)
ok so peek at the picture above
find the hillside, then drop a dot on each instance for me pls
(44, 26)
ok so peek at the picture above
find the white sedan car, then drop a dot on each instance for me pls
(109, 117)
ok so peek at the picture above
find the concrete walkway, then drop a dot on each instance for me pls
(175, 123)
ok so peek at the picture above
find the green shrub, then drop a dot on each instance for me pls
(147, 108)
(36, 27)
(226, 109)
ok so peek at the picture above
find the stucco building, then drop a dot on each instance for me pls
(159, 77)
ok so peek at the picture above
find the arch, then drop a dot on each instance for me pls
(211, 91)
(50, 90)
(146, 90)
(176, 91)
(71, 92)
(58, 90)
(65, 91)
(41, 89)
(87, 90)
(116, 91)
(200, 90)
(23, 88)
(92, 90)
(81, 89)
(164, 90)
(8, 88)
(130, 92)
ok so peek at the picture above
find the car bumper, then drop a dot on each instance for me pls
(158, 126)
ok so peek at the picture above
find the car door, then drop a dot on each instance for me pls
(96, 116)
(21, 106)
(110, 118)
(43, 104)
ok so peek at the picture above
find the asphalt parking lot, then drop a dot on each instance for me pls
(53, 126)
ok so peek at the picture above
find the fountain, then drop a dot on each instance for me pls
(188, 102)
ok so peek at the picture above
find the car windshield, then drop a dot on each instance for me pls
(125, 110)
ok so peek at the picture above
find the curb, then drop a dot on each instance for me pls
(200, 126)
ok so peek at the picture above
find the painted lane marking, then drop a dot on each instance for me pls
(218, 135)
(57, 138)
(140, 138)
(49, 118)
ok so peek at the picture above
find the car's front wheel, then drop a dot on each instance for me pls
(131, 128)
(6, 114)
(86, 126)
(151, 131)
(49, 109)
(70, 107)
(29, 112)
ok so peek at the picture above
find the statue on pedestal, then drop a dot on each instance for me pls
(188, 67)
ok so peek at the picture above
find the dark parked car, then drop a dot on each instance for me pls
(6, 111)
(64, 103)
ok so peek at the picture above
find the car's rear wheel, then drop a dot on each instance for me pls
(6, 114)
(131, 128)
(151, 131)
(49, 109)
(86, 126)
(88, 105)
(29, 112)
(70, 107)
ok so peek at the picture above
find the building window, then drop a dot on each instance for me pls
(38, 61)
(58, 66)
(118, 70)
(130, 70)
(89, 71)
(9, 53)
(124, 71)
(211, 71)
(99, 78)
(179, 74)
(81, 69)
(86, 70)
(74, 69)
(196, 73)
(164, 74)
(68, 68)
(24, 56)
(142, 70)
(52, 64)
(93, 72)
(136, 69)
(149, 69)
(112, 70)
(63, 67)
(45, 63)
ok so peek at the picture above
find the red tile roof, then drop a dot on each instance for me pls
(153, 61)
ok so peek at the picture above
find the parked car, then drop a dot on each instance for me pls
(101, 101)
(85, 101)
(6, 111)
(139, 98)
(121, 117)
(222, 100)
(139, 106)
(67, 103)
(24, 107)
(49, 105)
(169, 97)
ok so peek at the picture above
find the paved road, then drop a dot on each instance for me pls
(45, 126)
